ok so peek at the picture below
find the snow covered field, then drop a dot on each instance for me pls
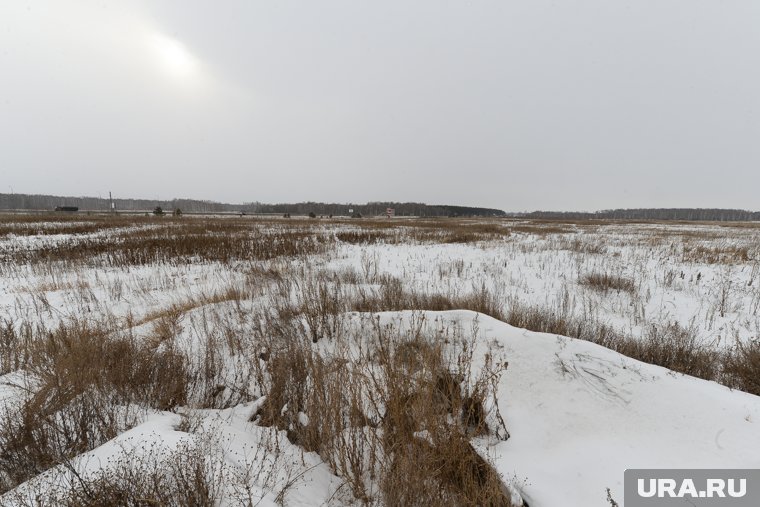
(216, 305)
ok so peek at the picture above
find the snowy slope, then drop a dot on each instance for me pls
(237, 448)
(578, 414)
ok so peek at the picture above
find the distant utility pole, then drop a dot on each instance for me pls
(112, 207)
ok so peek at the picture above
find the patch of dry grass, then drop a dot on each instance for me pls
(391, 410)
(606, 281)
(670, 345)
(84, 383)
(741, 368)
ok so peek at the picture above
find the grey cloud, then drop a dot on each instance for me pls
(517, 105)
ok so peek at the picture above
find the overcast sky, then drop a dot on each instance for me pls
(519, 105)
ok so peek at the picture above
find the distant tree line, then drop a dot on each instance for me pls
(50, 202)
(686, 214)
(416, 209)
(370, 209)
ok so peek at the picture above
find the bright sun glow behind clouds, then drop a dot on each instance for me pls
(174, 57)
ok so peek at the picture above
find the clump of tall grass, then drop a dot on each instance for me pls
(393, 296)
(86, 387)
(391, 412)
(722, 254)
(741, 368)
(15, 344)
(606, 281)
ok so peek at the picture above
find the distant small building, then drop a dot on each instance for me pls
(67, 208)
